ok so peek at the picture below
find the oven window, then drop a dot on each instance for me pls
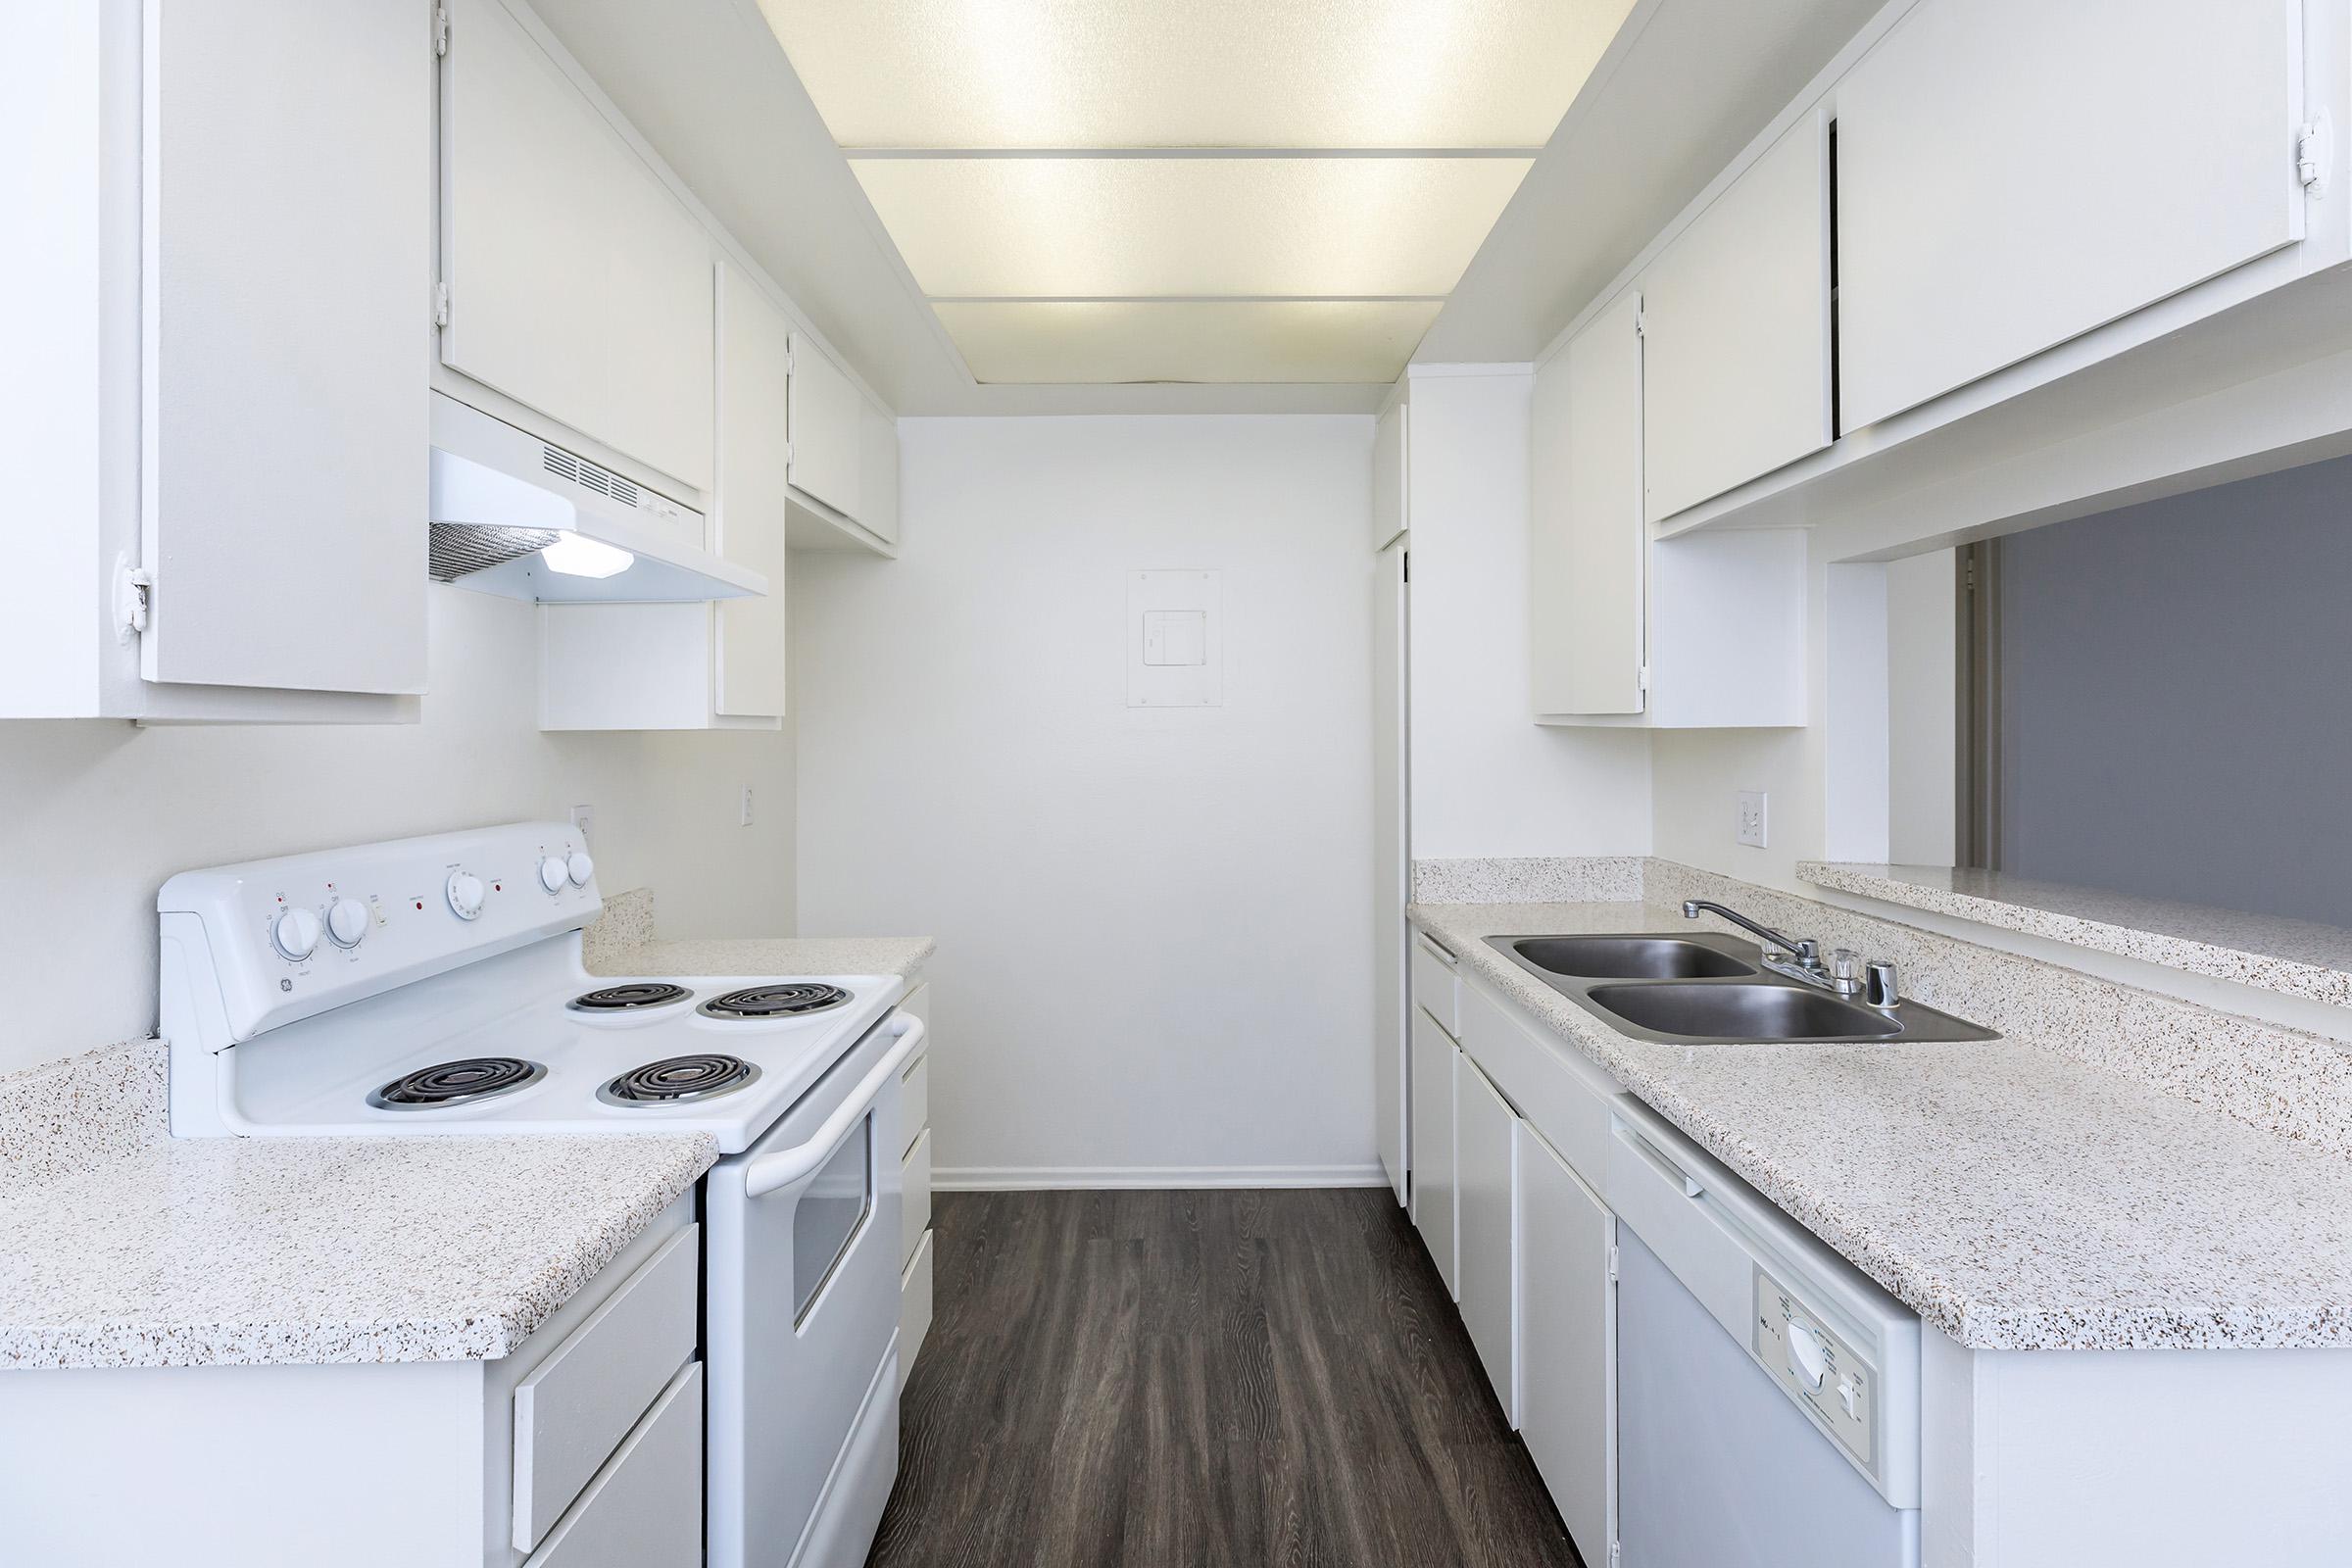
(826, 1219)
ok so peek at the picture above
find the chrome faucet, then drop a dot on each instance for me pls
(1807, 952)
(1800, 959)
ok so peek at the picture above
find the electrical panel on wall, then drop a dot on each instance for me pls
(1175, 640)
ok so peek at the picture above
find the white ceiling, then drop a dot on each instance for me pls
(1674, 96)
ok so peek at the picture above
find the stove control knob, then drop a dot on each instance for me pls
(581, 869)
(295, 934)
(347, 922)
(465, 894)
(553, 873)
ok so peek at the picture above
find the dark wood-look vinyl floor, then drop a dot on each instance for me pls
(1236, 1379)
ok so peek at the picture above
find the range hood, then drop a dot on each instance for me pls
(525, 519)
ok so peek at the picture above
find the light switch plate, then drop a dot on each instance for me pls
(1751, 818)
(1175, 640)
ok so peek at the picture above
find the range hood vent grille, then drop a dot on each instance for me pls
(587, 476)
(460, 549)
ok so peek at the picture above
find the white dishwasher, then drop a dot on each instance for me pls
(1768, 1393)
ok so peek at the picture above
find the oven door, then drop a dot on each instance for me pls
(801, 1317)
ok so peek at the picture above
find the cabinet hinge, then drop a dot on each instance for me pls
(440, 31)
(135, 598)
(1641, 320)
(1644, 677)
(440, 304)
(788, 454)
(1612, 1261)
(1615, 1555)
(2314, 153)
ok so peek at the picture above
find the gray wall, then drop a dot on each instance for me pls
(2177, 697)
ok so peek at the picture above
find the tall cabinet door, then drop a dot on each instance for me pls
(1484, 1156)
(1586, 542)
(1392, 1002)
(289, 204)
(754, 352)
(2012, 173)
(1433, 1058)
(1568, 1343)
(1735, 330)
(578, 284)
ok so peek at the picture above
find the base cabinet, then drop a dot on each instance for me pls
(1567, 1302)
(915, 1179)
(1434, 1056)
(1483, 1160)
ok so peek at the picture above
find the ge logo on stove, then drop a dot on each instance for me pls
(285, 985)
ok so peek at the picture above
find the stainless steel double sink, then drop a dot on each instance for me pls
(1706, 989)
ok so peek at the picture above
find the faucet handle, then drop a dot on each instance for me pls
(1879, 987)
(1845, 970)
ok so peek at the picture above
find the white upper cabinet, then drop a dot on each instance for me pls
(1735, 330)
(578, 286)
(827, 424)
(283, 426)
(2012, 173)
(753, 354)
(1389, 476)
(878, 473)
(1585, 540)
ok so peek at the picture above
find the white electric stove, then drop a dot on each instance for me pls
(434, 987)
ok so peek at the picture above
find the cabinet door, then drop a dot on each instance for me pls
(2012, 173)
(1483, 1134)
(1389, 476)
(878, 477)
(1568, 1351)
(578, 286)
(827, 419)
(1585, 535)
(1735, 330)
(1434, 1056)
(755, 347)
(289, 169)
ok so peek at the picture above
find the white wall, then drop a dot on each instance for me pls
(1488, 780)
(1922, 721)
(1154, 925)
(95, 814)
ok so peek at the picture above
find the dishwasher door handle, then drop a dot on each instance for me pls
(1656, 1160)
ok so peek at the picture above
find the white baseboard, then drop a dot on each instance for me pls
(1055, 1178)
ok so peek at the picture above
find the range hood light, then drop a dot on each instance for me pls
(577, 556)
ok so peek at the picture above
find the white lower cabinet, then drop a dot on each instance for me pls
(1567, 1305)
(629, 1517)
(1434, 1057)
(914, 1185)
(1484, 1139)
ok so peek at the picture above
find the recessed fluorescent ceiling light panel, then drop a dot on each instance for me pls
(1191, 190)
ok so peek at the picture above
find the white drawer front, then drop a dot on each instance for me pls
(914, 1306)
(914, 1099)
(573, 1410)
(916, 1209)
(644, 1509)
(1437, 989)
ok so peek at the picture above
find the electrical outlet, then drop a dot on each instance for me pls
(746, 806)
(1752, 817)
(583, 817)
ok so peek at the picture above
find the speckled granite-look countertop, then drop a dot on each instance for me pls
(215, 1251)
(2014, 1193)
(622, 943)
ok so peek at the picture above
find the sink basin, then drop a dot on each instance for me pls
(1741, 1012)
(1630, 957)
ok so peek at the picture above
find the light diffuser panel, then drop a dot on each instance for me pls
(1113, 73)
(1095, 227)
(1039, 341)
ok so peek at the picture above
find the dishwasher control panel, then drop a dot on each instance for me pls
(1825, 1373)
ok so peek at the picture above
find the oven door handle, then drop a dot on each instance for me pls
(794, 1166)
